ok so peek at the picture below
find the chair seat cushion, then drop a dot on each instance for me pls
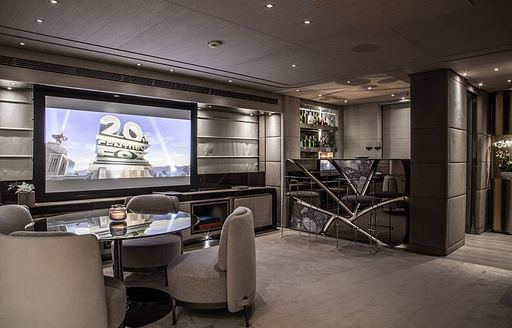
(194, 278)
(387, 194)
(116, 301)
(151, 252)
(303, 193)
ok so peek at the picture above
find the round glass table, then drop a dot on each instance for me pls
(136, 225)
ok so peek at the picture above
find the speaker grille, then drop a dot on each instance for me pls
(132, 79)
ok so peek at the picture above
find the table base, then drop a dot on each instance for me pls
(146, 305)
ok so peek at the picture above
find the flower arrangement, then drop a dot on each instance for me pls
(21, 187)
(503, 154)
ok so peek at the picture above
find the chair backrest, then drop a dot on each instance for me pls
(237, 256)
(153, 203)
(51, 280)
(14, 218)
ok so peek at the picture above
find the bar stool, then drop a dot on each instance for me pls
(389, 190)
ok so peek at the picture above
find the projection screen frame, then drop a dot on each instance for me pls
(39, 148)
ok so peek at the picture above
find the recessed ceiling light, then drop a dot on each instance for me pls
(465, 74)
(171, 70)
(294, 65)
(297, 90)
(251, 114)
(369, 88)
(54, 2)
(403, 98)
(345, 101)
(496, 69)
(117, 96)
(39, 20)
(269, 114)
(480, 84)
(307, 21)
(230, 81)
(9, 88)
(270, 5)
(392, 95)
(139, 64)
(348, 81)
(22, 44)
(319, 95)
(509, 81)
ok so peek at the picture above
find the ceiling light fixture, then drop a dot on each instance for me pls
(496, 69)
(465, 74)
(319, 95)
(54, 2)
(369, 88)
(269, 114)
(297, 90)
(171, 70)
(294, 65)
(509, 81)
(392, 95)
(348, 81)
(270, 5)
(230, 81)
(403, 98)
(307, 21)
(345, 101)
(22, 44)
(117, 96)
(139, 64)
(39, 20)
(480, 84)
(9, 88)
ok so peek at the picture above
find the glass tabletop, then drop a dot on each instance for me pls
(136, 225)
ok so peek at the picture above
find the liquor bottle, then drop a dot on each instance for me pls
(310, 119)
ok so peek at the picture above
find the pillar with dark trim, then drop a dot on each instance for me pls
(438, 162)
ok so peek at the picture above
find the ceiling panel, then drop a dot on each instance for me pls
(481, 28)
(109, 23)
(184, 36)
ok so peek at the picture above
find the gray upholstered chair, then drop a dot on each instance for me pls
(14, 218)
(223, 277)
(55, 279)
(152, 253)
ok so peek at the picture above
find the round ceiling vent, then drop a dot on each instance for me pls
(388, 80)
(214, 44)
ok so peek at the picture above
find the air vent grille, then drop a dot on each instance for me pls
(132, 79)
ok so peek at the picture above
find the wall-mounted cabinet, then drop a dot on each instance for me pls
(318, 128)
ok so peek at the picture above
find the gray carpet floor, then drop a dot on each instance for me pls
(314, 284)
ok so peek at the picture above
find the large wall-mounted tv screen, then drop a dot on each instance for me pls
(92, 145)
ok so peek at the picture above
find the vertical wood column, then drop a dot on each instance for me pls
(438, 162)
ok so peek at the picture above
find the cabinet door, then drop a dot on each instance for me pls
(263, 208)
(246, 202)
